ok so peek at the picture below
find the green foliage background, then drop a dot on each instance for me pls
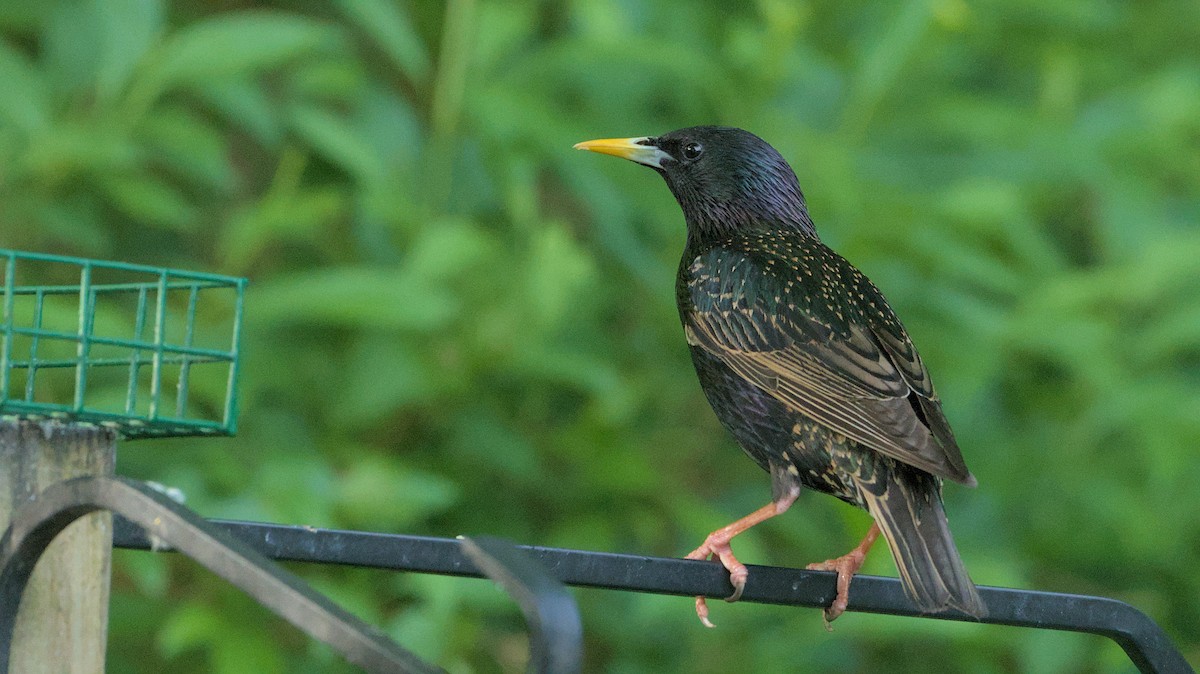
(456, 324)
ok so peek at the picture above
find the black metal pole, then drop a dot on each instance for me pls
(1143, 640)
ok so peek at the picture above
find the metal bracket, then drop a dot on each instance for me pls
(550, 610)
(556, 633)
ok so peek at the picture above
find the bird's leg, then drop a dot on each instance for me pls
(846, 566)
(717, 545)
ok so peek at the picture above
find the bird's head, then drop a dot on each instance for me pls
(725, 179)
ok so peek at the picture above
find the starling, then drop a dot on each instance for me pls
(805, 364)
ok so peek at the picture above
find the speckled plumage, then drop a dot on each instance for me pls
(803, 360)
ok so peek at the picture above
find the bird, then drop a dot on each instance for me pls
(806, 365)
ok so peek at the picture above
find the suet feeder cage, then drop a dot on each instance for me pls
(145, 351)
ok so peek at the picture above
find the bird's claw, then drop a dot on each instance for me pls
(702, 612)
(737, 577)
(846, 566)
(717, 547)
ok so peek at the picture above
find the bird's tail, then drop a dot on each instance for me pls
(912, 519)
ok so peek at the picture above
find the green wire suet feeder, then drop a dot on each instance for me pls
(146, 351)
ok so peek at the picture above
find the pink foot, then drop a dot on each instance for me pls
(717, 545)
(846, 566)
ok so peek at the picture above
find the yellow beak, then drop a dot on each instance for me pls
(633, 149)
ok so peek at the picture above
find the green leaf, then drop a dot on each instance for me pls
(149, 200)
(386, 374)
(412, 494)
(558, 272)
(447, 248)
(25, 103)
(883, 57)
(220, 636)
(332, 137)
(127, 30)
(71, 39)
(292, 217)
(190, 145)
(188, 627)
(69, 149)
(73, 224)
(392, 32)
(246, 107)
(233, 46)
(354, 297)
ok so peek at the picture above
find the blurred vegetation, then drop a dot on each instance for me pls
(456, 324)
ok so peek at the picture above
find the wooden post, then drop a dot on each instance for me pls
(62, 626)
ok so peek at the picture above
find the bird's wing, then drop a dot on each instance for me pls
(860, 378)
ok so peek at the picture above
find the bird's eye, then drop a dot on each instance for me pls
(692, 150)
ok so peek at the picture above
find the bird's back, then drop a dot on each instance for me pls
(788, 273)
(794, 319)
